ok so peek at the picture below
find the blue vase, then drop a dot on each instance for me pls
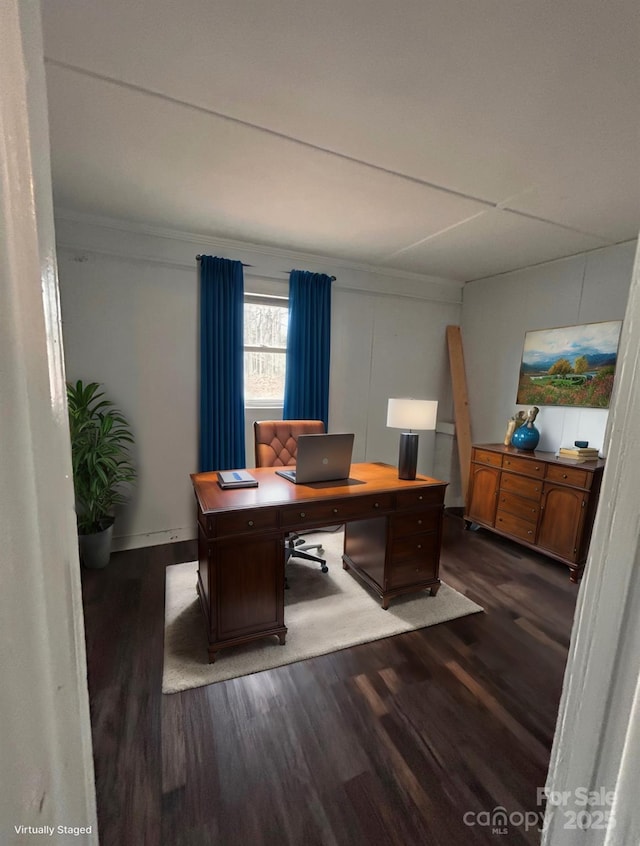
(525, 437)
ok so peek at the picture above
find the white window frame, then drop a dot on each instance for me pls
(265, 299)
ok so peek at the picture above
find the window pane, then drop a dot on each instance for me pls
(264, 376)
(265, 325)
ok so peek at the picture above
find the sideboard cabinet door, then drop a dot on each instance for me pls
(484, 482)
(561, 520)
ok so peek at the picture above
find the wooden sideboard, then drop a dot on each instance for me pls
(540, 500)
(393, 531)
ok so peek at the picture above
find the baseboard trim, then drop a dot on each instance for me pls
(125, 542)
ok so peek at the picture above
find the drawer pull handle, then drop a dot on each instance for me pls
(419, 522)
(376, 505)
(537, 468)
(564, 476)
(421, 497)
(335, 510)
(302, 514)
(250, 523)
(529, 532)
(419, 546)
(507, 463)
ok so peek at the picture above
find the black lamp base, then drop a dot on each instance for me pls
(408, 457)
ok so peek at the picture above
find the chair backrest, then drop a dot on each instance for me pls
(276, 441)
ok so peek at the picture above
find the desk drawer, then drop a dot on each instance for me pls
(416, 521)
(530, 488)
(526, 466)
(515, 526)
(413, 560)
(246, 521)
(567, 475)
(420, 496)
(335, 511)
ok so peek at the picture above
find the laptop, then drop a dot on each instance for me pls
(321, 458)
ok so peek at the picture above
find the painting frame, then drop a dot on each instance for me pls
(569, 366)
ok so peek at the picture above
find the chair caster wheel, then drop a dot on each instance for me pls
(325, 569)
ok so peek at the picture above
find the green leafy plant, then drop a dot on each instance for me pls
(102, 467)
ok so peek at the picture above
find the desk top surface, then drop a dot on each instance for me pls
(367, 478)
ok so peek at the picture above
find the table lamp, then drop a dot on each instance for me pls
(410, 414)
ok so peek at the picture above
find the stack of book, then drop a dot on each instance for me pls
(578, 452)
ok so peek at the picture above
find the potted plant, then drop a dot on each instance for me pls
(102, 467)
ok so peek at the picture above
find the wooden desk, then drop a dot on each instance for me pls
(392, 542)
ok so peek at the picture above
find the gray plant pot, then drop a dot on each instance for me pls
(95, 550)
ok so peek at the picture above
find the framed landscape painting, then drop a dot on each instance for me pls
(572, 365)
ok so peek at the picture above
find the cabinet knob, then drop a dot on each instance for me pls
(335, 510)
(420, 497)
(507, 463)
(564, 476)
(536, 489)
(537, 468)
(419, 522)
(376, 505)
(250, 523)
(533, 510)
(302, 514)
(529, 532)
(419, 546)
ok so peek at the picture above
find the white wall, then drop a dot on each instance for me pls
(130, 320)
(497, 312)
(45, 743)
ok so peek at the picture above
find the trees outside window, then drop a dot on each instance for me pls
(265, 345)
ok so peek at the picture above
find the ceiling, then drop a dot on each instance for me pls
(458, 139)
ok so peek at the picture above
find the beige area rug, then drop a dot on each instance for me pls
(323, 612)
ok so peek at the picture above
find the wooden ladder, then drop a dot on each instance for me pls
(460, 404)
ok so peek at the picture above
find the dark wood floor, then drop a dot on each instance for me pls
(391, 742)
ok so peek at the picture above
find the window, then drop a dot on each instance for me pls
(265, 345)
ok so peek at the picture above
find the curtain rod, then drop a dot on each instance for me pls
(333, 278)
(199, 257)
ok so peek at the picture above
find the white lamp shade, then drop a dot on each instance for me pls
(412, 414)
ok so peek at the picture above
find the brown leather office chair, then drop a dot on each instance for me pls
(276, 445)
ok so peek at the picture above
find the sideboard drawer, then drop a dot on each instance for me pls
(567, 475)
(522, 485)
(484, 456)
(526, 466)
(515, 526)
(526, 509)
